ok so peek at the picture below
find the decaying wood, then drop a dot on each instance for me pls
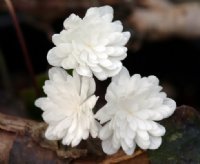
(23, 141)
(159, 19)
(121, 157)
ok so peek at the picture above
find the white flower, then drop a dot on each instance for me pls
(133, 106)
(92, 45)
(68, 107)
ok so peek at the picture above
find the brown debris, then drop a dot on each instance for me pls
(22, 141)
(150, 19)
(184, 114)
(5, 146)
(160, 19)
(121, 157)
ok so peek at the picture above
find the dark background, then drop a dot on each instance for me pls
(174, 61)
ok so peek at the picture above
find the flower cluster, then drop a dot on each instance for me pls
(95, 46)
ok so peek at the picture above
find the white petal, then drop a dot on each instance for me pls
(60, 129)
(130, 150)
(53, 59)
(84, 71)
(57, 74)
(105, 11)
(52, 117)
(143, 144)
(44, 103)
(105, 63)
(100, 48)
(84, 87)
(117, 25)
(89, 103)
(92, 87)
(141, 124)
(115, 141)
(104, 114)
(116, 51)
(67, 139)
(49, 135)
(133, 125)
(114, 72)
(108, 17)
(86, 134)
(148, 124)
(101, 55)
(171, 104)
(110, 96)
(143, 134)
(73, 126)
(94, 129)
(123, 75)
(154, 80)
(127, 36)
(144, 114)
(157, 116)
(129, 142)
(96, 68)
(76, 141)
(77, 137)
(101, 75)
(69, 63)
(164, 112)
(77, 81)
(157, 132)
(154, 102)
(155, 142)
(56, 39)
(117, 38)
(130, 133)
(63, 50)
(92, 59)
(105, 132)
(84, 57)
(108, 147)
(72, 21)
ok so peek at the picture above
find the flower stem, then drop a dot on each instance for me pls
(23, 45)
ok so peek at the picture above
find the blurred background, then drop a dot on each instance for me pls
(165, 42)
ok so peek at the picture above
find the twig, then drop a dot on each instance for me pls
(23, 45)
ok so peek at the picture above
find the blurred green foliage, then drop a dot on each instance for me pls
(29, 96)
